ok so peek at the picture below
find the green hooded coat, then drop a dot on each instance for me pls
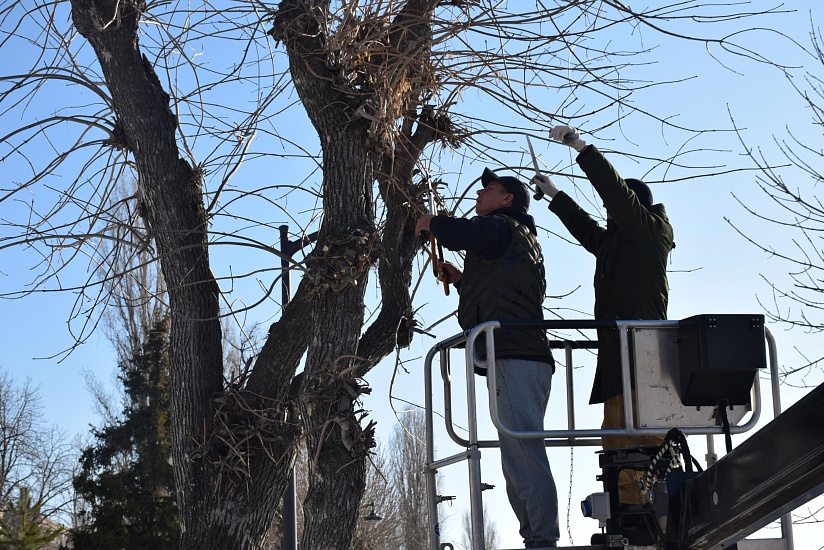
(630, 260)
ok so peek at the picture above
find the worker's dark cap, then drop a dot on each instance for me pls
(642, 191)
(520, 194)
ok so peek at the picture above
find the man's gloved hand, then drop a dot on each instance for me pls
(568, 136)
(545, 184)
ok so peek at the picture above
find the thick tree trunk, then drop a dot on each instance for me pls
(170, 190)
(217, 510)
(338, 445)
(338, 267)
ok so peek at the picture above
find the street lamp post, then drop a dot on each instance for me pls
(287, 249)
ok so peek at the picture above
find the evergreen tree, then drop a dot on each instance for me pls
(22, 528)
(126, 482)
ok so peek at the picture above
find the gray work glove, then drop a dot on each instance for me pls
(545, 184)
(568, 136)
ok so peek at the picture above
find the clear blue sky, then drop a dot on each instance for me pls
(713, 269)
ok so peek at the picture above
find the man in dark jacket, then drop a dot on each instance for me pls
(630, 271)
(503, 279)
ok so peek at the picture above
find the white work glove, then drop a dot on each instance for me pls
(544, 184)
(568, 136)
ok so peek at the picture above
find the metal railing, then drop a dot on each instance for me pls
(553, 438)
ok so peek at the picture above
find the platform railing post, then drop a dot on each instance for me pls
(775, 385)
(474, 462)
(570, 388)
(626, 378)
(431, 474)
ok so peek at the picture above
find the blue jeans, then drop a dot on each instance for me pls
(523, 394)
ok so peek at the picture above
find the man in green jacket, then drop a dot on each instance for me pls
(630, 271)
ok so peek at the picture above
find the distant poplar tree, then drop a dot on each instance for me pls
(407, 467)
(490, 531)
(126, 484)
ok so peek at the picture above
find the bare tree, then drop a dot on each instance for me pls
(34, 456)
(187, 97)
(407, 462)
(490, 531)
(380, 520)
(795, 204)
(136, 299)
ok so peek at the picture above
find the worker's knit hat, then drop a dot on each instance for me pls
(641, 189)
(520, 194)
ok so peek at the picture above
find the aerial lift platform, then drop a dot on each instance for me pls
(696, 376)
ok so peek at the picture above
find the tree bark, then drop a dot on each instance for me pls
(337, 357)
(336, 443)
(227, 498)
(216, 511)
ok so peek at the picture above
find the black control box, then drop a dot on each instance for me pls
(719, 356)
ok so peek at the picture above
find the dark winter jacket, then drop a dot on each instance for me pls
(630, 260)
(503, 277)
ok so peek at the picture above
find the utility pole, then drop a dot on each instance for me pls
(287, 249)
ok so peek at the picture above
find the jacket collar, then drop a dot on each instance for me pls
(519, 215)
